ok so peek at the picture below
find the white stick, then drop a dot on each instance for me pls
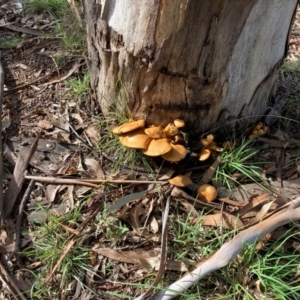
(230, 250)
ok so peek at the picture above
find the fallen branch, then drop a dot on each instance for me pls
(89, 182)
(17, 180)
(19, 221)
(230, 250)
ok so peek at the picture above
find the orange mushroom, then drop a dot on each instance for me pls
(258, 130)
(129, 126)
(208, 145)
(158, 147)
(177, 153)
(155, 132)
(206, 192)
(181, 181)
(136, 139)
(204, 154)
(179, 123)
(171, 130)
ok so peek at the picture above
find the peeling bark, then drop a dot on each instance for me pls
(207, 62)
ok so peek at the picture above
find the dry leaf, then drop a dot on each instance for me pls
(153, 263)
(94, 168)
(226, 220)
(45, 124)
(51, 191)
(93, 133)
(127, 256)
(254, 201)
(264, 210)
(154, 225)
(78, 118)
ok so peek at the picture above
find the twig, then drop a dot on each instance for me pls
(19, 219)
(90, 182)
(1, 145)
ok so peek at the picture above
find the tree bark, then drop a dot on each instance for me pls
(207, 62)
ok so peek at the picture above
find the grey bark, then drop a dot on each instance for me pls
(207, 62)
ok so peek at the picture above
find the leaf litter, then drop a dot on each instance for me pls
(125, 220)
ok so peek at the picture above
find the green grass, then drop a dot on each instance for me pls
(274, 268)
(109, 142)
(10, 41)
(72, 34)
(49, 243)
(79, 87)
(239, 159)
(68, 28)
(55, 7)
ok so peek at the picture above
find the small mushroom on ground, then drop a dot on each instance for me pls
(129, 126)
(208, 145)
(204, 154)
(155, 132)
(179, 123)
(258, 130)
(136, 139)
(181, 181)
(158, 147)
(207, 141)
(206, 192)
(177, 153)
(171, 130)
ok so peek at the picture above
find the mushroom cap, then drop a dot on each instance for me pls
(259, 125)
(181, 181)
(155, 132)
(179, 123)
(207, 192)
(158, 147)
(208, 140)
(136, 139)
(204, 154)
(177, 153)
(129, 126)
(171, 130)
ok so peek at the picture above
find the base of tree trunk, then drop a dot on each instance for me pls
(207, 62)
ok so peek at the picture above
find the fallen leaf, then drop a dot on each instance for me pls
(45, 124)
(77, 117)
(132, 257)
(93, 133)
(125, 200)
(153, 263)
(154, 225)
(222, 219)
(254, 201)
(263, 211)
(94, 168)
(51, 191)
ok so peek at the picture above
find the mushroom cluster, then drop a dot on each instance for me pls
(258, 130)
(154, 140)
(208, 145)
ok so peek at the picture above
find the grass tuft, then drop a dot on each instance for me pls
(49, 243)
(239, 159)
(55, 7)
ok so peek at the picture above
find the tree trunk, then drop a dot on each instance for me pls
(207, 62)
